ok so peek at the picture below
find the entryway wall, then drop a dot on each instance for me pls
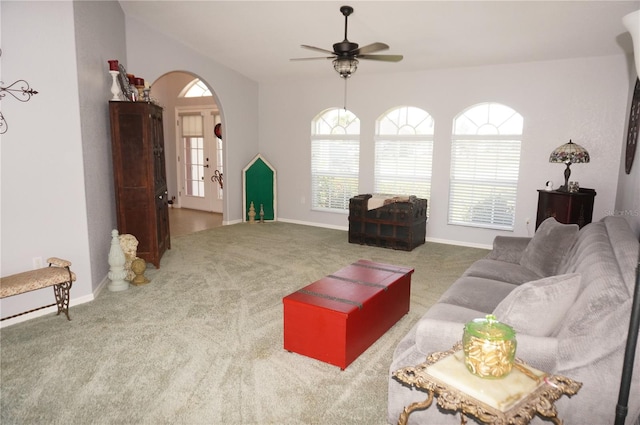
(165, 90)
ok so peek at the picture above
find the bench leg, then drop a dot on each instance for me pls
(61, 291)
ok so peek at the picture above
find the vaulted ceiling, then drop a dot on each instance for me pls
(258, 38)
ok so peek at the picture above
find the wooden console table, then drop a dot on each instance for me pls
(566, 207)
(515, 398)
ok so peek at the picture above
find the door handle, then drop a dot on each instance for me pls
(206, 166)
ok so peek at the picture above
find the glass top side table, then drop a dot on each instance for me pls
(513, 399)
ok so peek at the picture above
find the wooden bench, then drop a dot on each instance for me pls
(58, 275)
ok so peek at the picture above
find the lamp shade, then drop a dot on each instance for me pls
(571, 153)
(345, 66)
(632, 24)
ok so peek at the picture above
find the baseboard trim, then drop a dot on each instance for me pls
(308, 223)
(458, 243)
(101, 286)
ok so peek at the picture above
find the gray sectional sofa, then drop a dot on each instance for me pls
(567, 293)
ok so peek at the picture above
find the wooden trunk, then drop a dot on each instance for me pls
(338, 317)
(397, 225)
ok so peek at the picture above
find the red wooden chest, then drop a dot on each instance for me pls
(338, 317)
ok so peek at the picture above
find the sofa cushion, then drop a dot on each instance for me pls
(548, 246)
(508, 248)
(537, 308)
(501, 271)
(476, 293)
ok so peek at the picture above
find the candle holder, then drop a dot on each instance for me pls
(138, 83)
(115, 90)
(140, 93)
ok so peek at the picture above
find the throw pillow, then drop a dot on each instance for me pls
(537, 308)
(549, 244)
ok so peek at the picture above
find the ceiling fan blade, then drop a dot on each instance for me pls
(314, 58)
(385, 58)
(317, 49)
(369, 48)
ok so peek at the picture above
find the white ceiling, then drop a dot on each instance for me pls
(258, 38)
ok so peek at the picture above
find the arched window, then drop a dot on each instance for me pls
(195, 88)
(404, 152)
(485, 162)
(335, 156)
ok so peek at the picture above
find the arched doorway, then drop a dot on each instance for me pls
(194, 155)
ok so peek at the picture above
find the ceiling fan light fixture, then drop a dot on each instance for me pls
(345, 66)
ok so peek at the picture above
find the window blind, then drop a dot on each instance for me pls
(192, 126)
(403, 166)
(484, 179)
(334, 172)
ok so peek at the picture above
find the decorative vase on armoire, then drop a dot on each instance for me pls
(140, 176)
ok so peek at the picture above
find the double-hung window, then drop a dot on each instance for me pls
(404, 152)
(485, 162)
(335, 157)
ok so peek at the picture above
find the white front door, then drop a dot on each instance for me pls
(199, 157)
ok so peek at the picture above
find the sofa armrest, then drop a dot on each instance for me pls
(434, 335)
(538, 351)
(437, 335)
(508, 248)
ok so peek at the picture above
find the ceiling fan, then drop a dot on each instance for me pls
(345, 54)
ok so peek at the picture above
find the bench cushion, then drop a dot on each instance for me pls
(33, 279)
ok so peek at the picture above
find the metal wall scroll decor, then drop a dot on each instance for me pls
(20, 90)
(634, 128)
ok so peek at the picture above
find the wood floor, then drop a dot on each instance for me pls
(183, 221)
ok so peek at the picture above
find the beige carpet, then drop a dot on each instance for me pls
(202, 343)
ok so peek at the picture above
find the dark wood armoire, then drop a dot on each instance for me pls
(140, 176)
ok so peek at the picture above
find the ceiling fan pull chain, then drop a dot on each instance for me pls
(345, 94)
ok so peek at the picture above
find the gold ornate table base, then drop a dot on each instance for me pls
(514, 399)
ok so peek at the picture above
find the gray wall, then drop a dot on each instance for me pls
(628, 193)
(44, 202)
(151, 54)
(581, 99)
(100, 36)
